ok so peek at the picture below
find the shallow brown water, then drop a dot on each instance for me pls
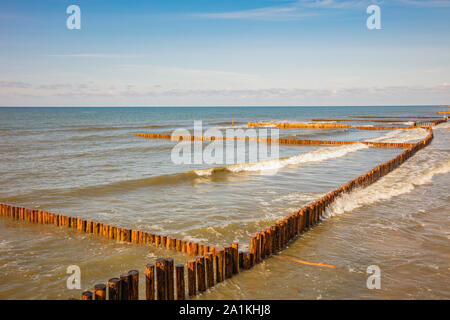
(105, 173)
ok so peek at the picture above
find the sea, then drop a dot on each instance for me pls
(89, 163)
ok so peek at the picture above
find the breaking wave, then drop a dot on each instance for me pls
(397, 183)
(402, 135)
(321, 154)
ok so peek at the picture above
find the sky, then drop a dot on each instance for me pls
(224, 53)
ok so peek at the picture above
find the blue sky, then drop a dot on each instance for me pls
(257, 52)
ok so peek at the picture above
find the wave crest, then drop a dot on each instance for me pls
(393, 185)
(319, 155)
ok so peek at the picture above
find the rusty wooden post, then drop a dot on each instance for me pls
(258, 247)
(295, 219)
(80, 227)
(269, 238)
(274, 234)
(317, 205)
(201, 281)
(125, 280)
(301, 225)
(279, 231)
(288, 222)
(247, 260)
(253, 245)
(86, 295)
(209, 269)
(161, 279)
(100, 292)
(170, 280)
(181, 295)
(150, 282)
(114, 289)
(194, 248)
(220, 265)
(189, 248)
(228, 262)
(263, 244)
(192, 282)
(152, 238)
(134, 284)
(306, 217)
(235, 257)
(282, 234)
(89, 227)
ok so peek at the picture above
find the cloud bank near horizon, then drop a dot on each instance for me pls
(238, 52)
(90, 94)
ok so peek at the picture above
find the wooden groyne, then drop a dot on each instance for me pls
(360, 120)
(289, 125)
(211, 263)
(165, 281)
(392, 117)
(102, 229)
(445, 110)
(430, 123)
(382, 128)
(284, 141)
(276, 237)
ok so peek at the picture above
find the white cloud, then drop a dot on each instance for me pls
(425, 3)
(268, 13)
(306, 8)
(294, 10)
(14, 84)
(96, 55)
(89, 94)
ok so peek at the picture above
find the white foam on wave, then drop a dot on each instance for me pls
(231, 127)
(408, 123)
(399, 182)
(4, 244)
(319, 155)
(402, 135)
(298, 196)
